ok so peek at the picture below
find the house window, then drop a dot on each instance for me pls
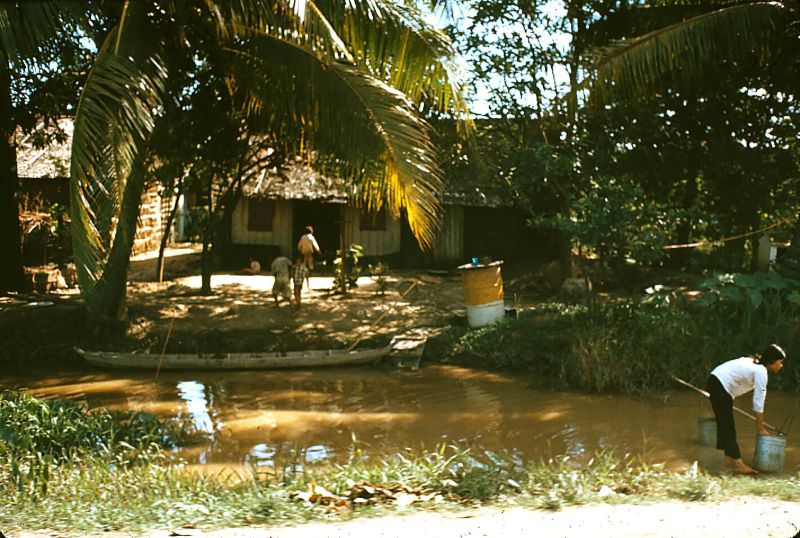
(373, 220)
(260, 213)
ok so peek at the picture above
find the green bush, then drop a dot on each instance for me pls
(634, 344)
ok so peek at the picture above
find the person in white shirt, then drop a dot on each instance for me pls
(308, 246)
(281, 267)
(732, 379)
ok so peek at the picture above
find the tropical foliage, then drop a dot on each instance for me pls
(627, 144)
(347, 82)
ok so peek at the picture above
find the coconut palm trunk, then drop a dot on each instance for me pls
(11, 272)
(108, 312)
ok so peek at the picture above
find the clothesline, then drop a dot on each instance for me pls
(726, 239)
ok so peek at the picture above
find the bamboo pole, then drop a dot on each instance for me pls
(741, 411)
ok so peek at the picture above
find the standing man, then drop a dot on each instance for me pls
(307, 246)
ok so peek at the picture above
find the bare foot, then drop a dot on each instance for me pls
(741, 467)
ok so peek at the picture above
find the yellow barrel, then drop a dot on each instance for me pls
(483, 292)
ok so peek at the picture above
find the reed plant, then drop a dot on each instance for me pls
(37, 436)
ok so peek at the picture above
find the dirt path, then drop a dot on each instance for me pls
(242, 316)
(744, 517)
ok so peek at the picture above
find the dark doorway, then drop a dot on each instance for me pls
(410, 253)
(326, 218)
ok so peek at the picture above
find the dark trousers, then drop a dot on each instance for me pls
(722, 403)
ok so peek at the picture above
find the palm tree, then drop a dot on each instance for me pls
(680, 40)
(349, 78)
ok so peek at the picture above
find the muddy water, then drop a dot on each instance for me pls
(270, 418)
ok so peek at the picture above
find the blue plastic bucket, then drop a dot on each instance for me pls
(707, 431)
(769, 453)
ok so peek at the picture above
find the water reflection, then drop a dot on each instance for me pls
(194, 396)
(270, 419)
(263, 455)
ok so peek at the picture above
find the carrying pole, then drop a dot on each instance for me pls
(742, 411)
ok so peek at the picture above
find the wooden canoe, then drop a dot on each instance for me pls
(234, 361)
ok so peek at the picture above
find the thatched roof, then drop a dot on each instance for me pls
(298, 181)
(51, 161)
(295, 181)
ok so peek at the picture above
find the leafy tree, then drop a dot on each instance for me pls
(348, 78)
(677, 44)
(710, 159)
(42, 65)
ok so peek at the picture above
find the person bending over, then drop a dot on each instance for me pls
(281, 268)
(732, 379)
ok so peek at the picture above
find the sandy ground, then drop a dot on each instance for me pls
(743, 517)
(414, 303)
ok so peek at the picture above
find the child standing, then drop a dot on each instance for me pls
(299, 274)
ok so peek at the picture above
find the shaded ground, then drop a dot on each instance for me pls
(742, 517)
(240, 315)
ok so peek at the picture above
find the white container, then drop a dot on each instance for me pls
(485, 314)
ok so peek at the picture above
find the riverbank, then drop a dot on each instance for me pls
(742, 517)
(239, 316)
(52, 478)
(626, 343)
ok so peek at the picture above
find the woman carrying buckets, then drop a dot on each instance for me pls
(732, 379)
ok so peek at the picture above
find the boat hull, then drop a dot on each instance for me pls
(233, 361)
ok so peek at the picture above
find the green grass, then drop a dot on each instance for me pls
(92, 495)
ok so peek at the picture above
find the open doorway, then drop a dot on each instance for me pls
(326, 218)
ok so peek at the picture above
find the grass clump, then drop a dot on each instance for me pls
(38, 436)
(452, 471)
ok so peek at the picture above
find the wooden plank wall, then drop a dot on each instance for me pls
(375, 243)
(281, 234)
(448, 248)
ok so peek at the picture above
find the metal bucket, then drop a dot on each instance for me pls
(769, 453)
(707, 431)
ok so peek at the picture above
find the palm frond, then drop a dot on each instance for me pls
(25, 25)
(638, 19)
(387, 39)
(679, 52)
(411, 178)
(392, 41)
(362, 129)
(115, 115)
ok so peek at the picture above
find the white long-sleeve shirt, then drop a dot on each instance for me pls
(308, 244)
(740, 376)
